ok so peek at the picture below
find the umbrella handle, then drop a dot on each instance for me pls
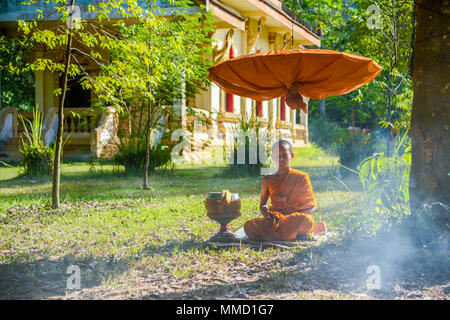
(295, 101)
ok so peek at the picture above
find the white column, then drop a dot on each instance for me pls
(179, 106)
(265, 109)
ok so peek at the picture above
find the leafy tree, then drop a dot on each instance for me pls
(153, 64)
(390, 45)
(16, 80)
(346, 26)
(74, 38)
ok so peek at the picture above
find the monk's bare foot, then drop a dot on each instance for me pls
(320, 229)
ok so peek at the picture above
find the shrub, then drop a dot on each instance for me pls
(354, 145)
(37, 157)
(386, 183)
(131, 153)
(37, 161)
(246, 169)
(324, 133)
(351, 145)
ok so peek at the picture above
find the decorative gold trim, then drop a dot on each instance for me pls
(220, 55)
(228, 117)
(280, 124)
(277, 40)
(253, 29)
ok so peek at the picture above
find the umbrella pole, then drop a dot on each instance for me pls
(292, 28)
(292, 32)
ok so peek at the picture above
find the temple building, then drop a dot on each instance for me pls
(243, 27)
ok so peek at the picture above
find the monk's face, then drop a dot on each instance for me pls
(282, 157)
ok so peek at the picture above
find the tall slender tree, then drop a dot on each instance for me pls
(71, 30)
(59, 135)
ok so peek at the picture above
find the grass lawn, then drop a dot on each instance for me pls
(149, 244)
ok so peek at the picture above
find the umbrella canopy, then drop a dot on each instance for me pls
(312, 73)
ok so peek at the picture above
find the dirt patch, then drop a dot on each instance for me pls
(333, 271)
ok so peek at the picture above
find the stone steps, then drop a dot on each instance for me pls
(78, 142)
(16, 156)
(74, 148)
(9, 147)
(10, 156)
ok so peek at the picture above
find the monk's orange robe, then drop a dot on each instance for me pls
(289, 195)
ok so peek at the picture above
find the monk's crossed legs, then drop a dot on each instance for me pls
(289, 227)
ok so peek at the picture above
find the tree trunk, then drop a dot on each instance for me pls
(147, 148)
(389, 110)
(149, 119)
(430, 179)
(59, 136)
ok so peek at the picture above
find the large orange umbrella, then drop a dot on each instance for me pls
(312, 73)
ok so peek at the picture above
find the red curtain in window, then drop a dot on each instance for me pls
(259, 108)
(229, 103)
(283, 109)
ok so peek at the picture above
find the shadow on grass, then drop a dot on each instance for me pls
(337, 270)
(330, 269)
(47, 277)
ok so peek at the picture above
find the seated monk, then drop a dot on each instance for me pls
(292, 202)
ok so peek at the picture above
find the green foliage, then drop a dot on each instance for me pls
(83, 36)
(344, 27)
(353, 145)
(131, 153)
(143, 65)
(313, 152)
(79, 39)
(390, 44)
(325, 16)
(386, 182)
(37, 157)
(324, 133)
(251, 129)
(153, 59)
(400, 121)
(151, 62)
(16, 81)
(391, 47)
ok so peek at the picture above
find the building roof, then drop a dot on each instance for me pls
(278, 17)
(232, 12)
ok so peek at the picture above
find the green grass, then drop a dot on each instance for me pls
(119, 234)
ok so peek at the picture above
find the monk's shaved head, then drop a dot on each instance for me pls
(282, 143)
